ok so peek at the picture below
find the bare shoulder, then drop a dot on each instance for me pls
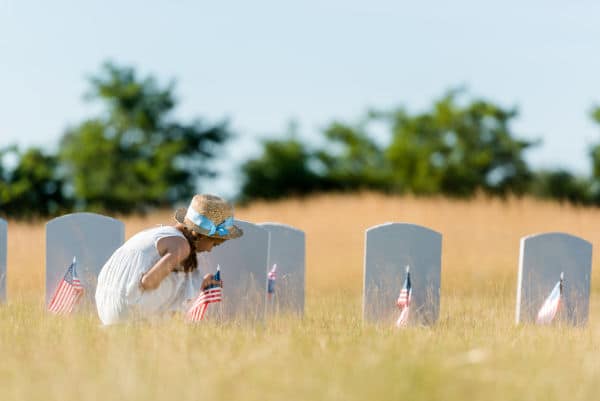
(175, 245)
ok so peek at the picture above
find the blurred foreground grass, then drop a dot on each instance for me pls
(475, 351)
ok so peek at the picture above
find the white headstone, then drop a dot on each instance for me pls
(243, 262)
(543, 257)
(287, 257)
(91, 238)
(390, 248)
(3, 239)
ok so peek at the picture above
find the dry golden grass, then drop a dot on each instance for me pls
(474, 352)
(480, 243)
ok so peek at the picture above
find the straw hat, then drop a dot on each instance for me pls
(209, 215)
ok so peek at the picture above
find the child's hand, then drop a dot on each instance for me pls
(209, 280)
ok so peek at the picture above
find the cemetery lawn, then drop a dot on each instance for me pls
(475, 351)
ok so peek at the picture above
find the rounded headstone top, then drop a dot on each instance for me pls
(554, 235)
(280, 225)
(83, 215)
(392, 225)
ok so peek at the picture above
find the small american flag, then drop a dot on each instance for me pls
(403, 300)
(209, 295)
(271, 278)
(68, 293)
(550, 307)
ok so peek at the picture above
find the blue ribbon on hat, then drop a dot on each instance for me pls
(207, 224)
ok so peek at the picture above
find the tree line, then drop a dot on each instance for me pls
(135, 155)
(460, 146)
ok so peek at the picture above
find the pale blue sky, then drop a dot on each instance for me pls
(262, 63)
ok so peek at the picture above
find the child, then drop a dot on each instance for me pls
(147, 275)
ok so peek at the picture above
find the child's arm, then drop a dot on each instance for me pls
(173, 250)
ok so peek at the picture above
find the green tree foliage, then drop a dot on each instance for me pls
(561, 185)
(283, 169)
(594, 185)
(456, 148)
(352, 160)
(33, 187)
(565, 186)
(136, 154)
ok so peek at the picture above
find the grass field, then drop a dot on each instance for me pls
(474, 352)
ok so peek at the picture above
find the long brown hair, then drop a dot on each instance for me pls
(190, 263)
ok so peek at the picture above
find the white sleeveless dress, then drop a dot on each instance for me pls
(119, 296)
